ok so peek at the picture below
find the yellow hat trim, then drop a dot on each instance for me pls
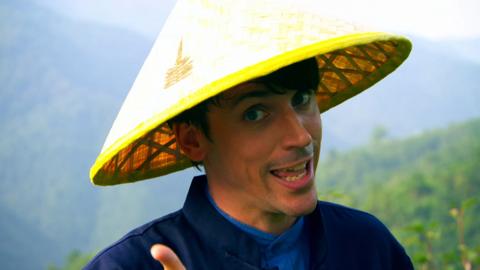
(150, 150)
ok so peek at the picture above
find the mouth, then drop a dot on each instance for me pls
(291, 174)
(296, 176)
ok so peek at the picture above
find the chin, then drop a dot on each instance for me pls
(304, 209)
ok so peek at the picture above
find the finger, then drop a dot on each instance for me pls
(166, 257)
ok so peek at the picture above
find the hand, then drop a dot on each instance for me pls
(166, 257)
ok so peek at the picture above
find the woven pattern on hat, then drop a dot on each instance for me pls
(343, 72)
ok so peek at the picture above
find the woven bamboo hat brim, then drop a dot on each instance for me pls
(207, 47)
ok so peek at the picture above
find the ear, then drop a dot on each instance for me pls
(191, 140)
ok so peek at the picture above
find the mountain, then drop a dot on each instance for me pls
(415, 185)
(21, 241)
(466, 48)
(62, 83)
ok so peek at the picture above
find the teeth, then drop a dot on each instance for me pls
(294, 178)
(291, 174)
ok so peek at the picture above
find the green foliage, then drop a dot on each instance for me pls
(416, 186)
(62, 83)
(379, 134)
(75, 260)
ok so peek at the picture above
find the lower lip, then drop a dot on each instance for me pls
(300, 183)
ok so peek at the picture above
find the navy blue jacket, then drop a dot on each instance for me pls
(340, 238)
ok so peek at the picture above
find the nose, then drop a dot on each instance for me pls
(295, 134)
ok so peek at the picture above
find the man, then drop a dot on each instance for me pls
(250, 115)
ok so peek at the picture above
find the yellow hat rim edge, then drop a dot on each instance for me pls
(248, 73)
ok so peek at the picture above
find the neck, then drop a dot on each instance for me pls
(263, 220)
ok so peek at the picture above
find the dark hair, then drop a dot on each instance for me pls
(300, 76)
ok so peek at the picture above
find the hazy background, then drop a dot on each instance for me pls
(66, 66)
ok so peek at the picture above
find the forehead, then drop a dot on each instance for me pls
(248, 90)
(245, 88)
(298, 76)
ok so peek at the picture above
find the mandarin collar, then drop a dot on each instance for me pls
(219, 233)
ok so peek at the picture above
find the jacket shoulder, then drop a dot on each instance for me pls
(346, 218)
(362, 237)
(133, 250)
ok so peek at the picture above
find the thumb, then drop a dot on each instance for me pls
(166, 257)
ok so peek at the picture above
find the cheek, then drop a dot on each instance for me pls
(237, 150)
(316, 132)
(314, 126)
(252, 154)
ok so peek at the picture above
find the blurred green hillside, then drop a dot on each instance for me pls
(415, 186)
(62, 82)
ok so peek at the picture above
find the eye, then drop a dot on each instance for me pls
(254, 114)
(302, 98)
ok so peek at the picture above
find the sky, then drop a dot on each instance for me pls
(430, 19)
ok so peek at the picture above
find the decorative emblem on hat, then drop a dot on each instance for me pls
(182, 68)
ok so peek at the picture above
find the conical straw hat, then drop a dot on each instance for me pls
(208, 46)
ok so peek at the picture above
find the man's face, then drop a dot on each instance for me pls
(263, 151)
